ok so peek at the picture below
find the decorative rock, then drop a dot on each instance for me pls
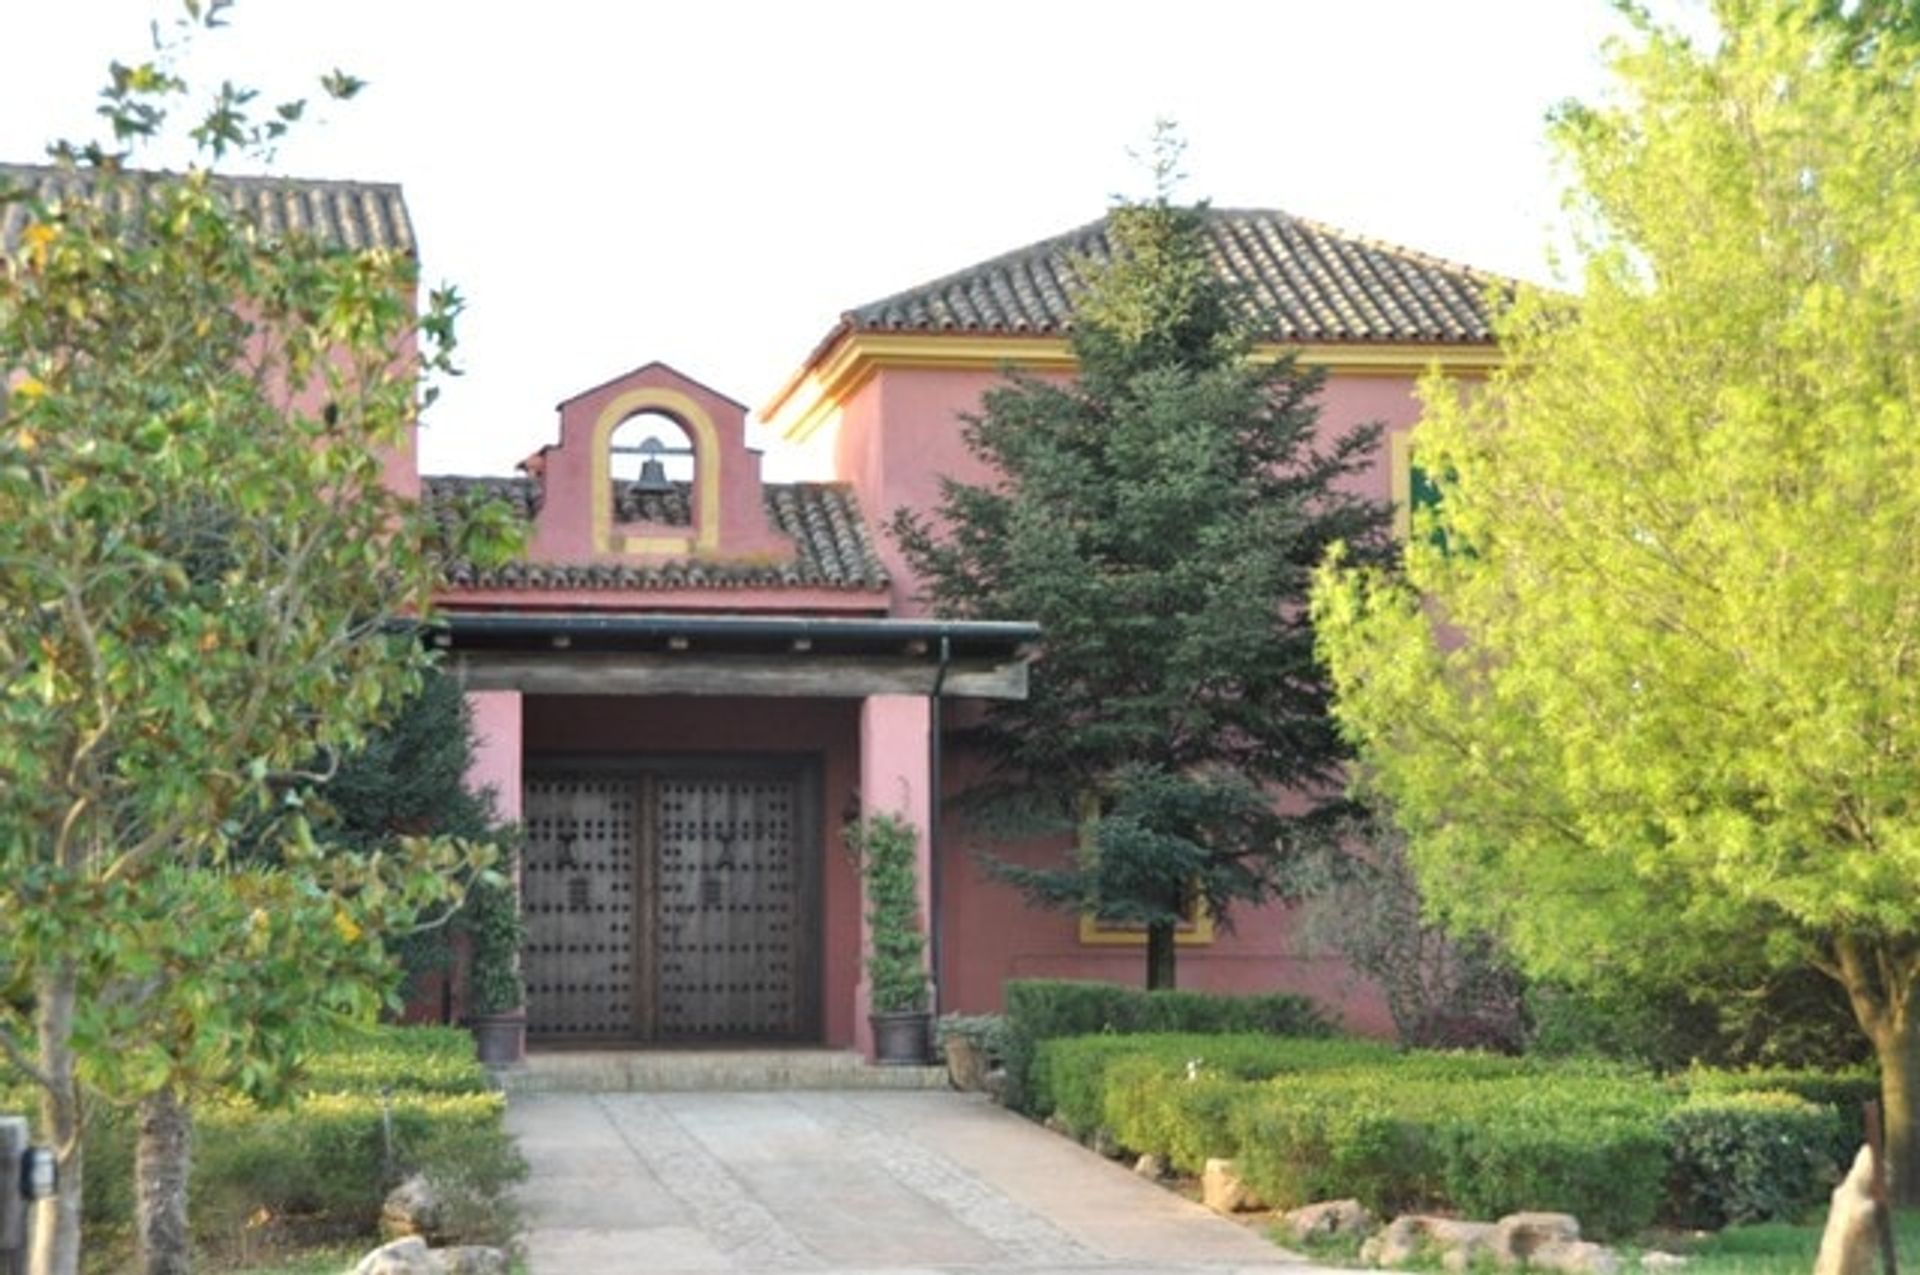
(1105, 1144)
(1056, 1123)
(409, 1256)
(1330, 1218)
(1517, 1236)
(412, 1208)
(966, 1064)
(1850, 1244)
(1411, 1236)
(1150, 1166)
(1222, 1190)
(1462, 1244)
(1655, 1260)
(471, 1259)
(1574, 1257)
(996, 1084)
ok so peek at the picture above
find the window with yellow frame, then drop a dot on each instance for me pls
(1194, 929)
(1413, 488)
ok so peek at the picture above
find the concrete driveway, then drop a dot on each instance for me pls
(894, 1182)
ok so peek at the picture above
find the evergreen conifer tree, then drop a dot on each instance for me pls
(1160, 515)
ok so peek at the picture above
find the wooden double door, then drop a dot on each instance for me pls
(671, 901)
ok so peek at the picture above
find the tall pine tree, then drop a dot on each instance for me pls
(1160, 515)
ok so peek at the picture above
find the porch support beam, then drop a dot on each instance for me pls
(794, 674)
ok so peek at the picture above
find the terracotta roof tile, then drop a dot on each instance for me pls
(1302, 282)
(835, 549)
(343, 214)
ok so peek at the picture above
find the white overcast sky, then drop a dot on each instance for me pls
(711, 183)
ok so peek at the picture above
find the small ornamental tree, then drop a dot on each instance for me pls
(1674, 713)
(201, 567)
(1159, 515)
(409, 779)
(885, 846)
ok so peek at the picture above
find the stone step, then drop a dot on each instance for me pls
(714, 1070)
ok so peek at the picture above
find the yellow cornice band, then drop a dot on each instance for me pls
(808, 401)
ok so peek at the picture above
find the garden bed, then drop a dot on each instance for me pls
(270, 1181)
(1477, 1134)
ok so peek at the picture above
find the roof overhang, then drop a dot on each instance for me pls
(559, 654)
(849, 357)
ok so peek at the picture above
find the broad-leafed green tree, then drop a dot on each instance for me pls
(1674, 706)
(1160, 515)
(201, 568)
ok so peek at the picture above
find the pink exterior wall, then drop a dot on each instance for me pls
(497, 749)
(901, 431)
(894, 770)
(827, 730)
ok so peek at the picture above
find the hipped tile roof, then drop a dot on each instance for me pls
(1301, 281)
(835, 550)
(347, 215)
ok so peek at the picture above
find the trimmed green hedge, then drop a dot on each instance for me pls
(382, 1105)
(1312, 1119)
(1752, 1157)
(1044, 1009)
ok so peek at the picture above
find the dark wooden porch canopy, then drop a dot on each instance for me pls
(562, 654)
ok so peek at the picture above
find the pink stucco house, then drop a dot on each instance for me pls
(696, 676)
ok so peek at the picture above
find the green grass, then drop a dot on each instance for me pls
(1779, 1248)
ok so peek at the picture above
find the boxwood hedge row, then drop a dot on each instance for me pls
(1312, 1119)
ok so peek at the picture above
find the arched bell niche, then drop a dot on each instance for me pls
(653, 463)
(657, 474)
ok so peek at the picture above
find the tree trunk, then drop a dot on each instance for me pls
(1882, 983)
(56, 1220)
(161, 1165)
(1898, 1051)
(1160, 953)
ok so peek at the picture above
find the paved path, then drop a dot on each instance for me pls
(900, 1183)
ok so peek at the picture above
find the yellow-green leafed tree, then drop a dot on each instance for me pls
(202, 570)
(1649, 687)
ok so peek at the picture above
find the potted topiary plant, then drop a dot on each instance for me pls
(499, 1012)
(885, 846)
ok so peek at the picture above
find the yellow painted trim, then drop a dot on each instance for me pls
(1197, 933)
(1400, 456)
(656, 544)
(706, 464)
(806, 402)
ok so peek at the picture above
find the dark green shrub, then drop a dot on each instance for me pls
(1751, 1157)
(1043, 1009)
(1748, 1016)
